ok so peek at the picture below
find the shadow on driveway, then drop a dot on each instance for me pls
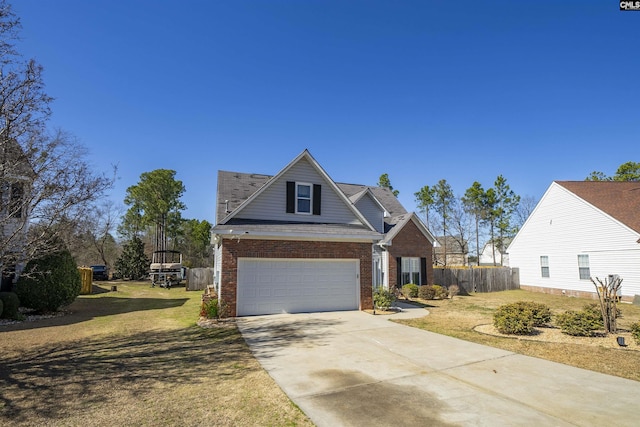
(267, 336)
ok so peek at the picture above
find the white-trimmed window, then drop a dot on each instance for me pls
(583, 267)
(410, 271)
(303, 198)
(544, 266)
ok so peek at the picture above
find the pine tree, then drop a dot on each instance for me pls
(133, 263)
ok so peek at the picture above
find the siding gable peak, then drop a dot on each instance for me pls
(315, 177)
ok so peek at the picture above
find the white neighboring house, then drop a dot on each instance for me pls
(579, 230)
(486, 256)
(15, 179)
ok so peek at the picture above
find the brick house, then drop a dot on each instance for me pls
(299, 242)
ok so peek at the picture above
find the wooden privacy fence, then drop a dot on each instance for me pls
(478, 279)
(199, 278)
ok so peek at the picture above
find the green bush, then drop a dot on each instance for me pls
(50, 282)
(410, 290)
(441, 291)
(635, 332)
(594, 313)
(383, 299)
(210, 309)
(514, 319)
(578, 323)
(133, 263)
(432, 292)
(540, 313)
(426, 292)
(10, 304)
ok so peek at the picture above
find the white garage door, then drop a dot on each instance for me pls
(270, 286)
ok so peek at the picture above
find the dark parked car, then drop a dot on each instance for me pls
(100, 272)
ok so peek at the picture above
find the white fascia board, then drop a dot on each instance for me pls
(264, 235)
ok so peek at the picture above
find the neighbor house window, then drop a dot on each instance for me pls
(16, 200)
(303, 198)
(544, 266)
(410, 271)
(583, 267)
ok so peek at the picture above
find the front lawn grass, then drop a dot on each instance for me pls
(135, 357)
(459, 316)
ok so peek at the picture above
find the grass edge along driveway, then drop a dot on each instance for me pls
(459, 316)
(135, 357)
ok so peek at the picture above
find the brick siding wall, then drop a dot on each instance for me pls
(410, 242)
(249, 248)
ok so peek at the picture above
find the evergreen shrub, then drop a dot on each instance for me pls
(383, 299)
(514, 319)
(10, 304)
(410, 290)
(50, 282)
(635, 332)
(578, 323)
(432, 292)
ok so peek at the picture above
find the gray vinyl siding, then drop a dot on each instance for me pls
(14, 234)
(271, 203)
(372, 212)
(564, 226)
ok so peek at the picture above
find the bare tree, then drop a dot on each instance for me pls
(45, 181)
(59, 194)
(607, 291)
(91, 241)
(104, 226)
(523, 210)
(460, 224)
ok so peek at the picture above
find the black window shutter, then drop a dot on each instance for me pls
(317, 198)
(291, 197)
(423, 270)
(399, 273)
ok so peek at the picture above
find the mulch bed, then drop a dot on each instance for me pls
(552, 334)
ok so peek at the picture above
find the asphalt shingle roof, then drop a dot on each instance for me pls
(236, 187)
(384, 196)
(620, 199)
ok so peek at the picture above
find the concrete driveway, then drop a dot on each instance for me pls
(350, 368)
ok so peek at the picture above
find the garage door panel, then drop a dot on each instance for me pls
(278, 286)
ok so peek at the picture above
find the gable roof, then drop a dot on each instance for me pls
(15, 164)
(383, 195)
(395, 224)
(307, 156)
(237, 190)
(234, 188)
(367, 192)
(619, 199)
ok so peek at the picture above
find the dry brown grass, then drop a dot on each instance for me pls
(135, 357)
(462, 316)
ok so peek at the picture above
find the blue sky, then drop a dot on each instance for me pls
(422, 90)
